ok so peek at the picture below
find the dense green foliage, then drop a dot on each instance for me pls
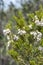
(26, 45)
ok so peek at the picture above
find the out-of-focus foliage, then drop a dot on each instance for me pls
(30, 5)
(23, 47)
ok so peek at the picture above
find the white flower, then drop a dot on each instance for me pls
(18, 29)
(6, 31)
(16, 37)
(40, 48)
(30, 26)
(39, 35)
(40, 23)
(8, 38)
(21, 32)
(36, 17)
(38, 39)
(8, 44)
(34, 33)
(37, 22)
(10, 41)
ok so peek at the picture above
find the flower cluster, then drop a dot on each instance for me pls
(16, 37)
(37, 35)
(21, 32)
(37, 22)
(6, 31)
(8, 34)
(34, 33)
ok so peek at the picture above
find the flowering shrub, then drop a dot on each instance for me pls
(26, 45)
